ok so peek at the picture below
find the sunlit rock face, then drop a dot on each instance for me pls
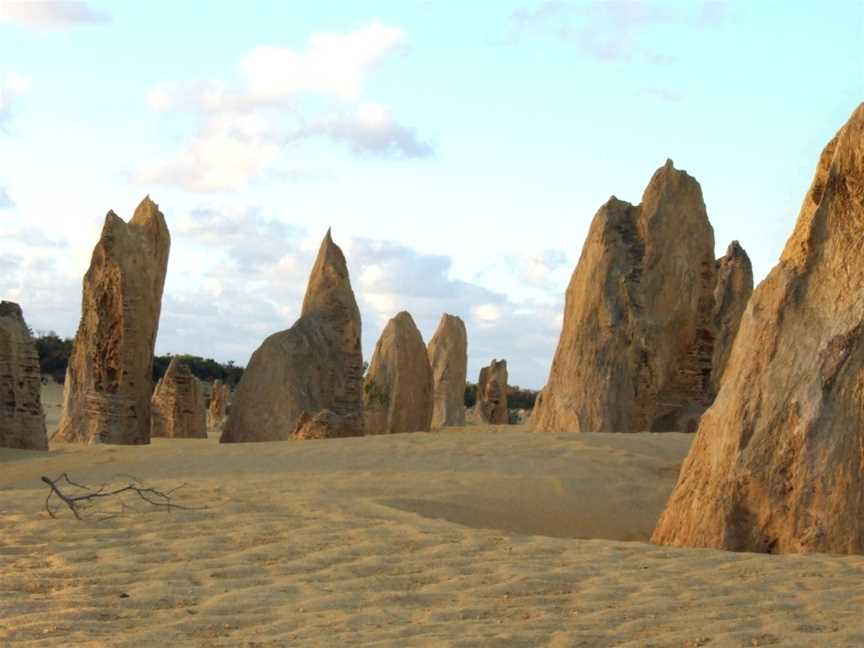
(637, 342)
(776, 465)
(314, 366)
(397, 391)
(109, 380)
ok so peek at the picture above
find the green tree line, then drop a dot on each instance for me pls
(54, 353)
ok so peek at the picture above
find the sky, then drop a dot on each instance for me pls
(458, 150)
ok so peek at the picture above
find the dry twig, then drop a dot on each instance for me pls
(79, 503)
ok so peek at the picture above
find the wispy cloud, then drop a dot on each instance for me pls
(5, 200)
(12, 87)
(237, 141)
(611, 30)
(42, 14)
(371, 131)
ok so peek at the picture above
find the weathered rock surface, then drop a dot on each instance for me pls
(218, 408)
(325, 424)
(22, 420)
(636, 347)
(492, 393)
(398, 387)
(731, 294)
(177, 405)
(448, 358)
(777, 463)
(106, 398)
(315, 365)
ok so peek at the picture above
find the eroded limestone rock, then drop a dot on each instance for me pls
(315, 365)
(398, 386)
(776, 465)
(448, 358)
(22, 420)
(177, 405)
(109, 380)
(731, 294)
(492, 393)
(636, 347)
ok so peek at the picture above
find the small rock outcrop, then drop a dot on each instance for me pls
(448, 358)
(218, 408)
(636, 346)
(397, 392)
(22, 420)
(314, 366)
(731, 294)
(106, 397)
(777, 463)
(177, 406)
(492, 393)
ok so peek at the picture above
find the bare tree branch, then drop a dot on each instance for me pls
(78, 503)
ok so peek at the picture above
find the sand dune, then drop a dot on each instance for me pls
(475, 537)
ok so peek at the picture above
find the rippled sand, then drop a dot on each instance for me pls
(472, 537)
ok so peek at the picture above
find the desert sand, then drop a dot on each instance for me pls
(476, 536)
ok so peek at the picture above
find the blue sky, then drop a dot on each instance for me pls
(459, 150)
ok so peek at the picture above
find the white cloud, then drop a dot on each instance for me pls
(227, 153)
(12, 87)
(49, 13)
(487, 313)
(371, 131)
(539, 268)
(5, 200)
(332, 64)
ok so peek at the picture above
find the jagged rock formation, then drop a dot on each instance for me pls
(777, 463)
(448, 358)
(315, 365)
(177, 405)
(397, 392)
(218, 408)
(492, 393)
(636, 347)
(106, 398)
(731, 294)
(22, 420)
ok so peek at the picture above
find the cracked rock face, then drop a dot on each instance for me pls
(776, 465)
(448, 358)
(398, 385)
(178, 405)
(314, 366)
(492, 393)
(106, 398)
(22, 420)
(637, 343)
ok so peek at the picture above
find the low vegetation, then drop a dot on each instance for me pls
(54, 353)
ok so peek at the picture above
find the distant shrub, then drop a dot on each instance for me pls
(376, 395)
(470, 395)
(517, 398)
(54, 353)
(205, 369)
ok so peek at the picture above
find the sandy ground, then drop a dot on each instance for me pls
(474, 537)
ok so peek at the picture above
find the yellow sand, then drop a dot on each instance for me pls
(472, 537)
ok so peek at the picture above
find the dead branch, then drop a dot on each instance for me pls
(80, 502)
